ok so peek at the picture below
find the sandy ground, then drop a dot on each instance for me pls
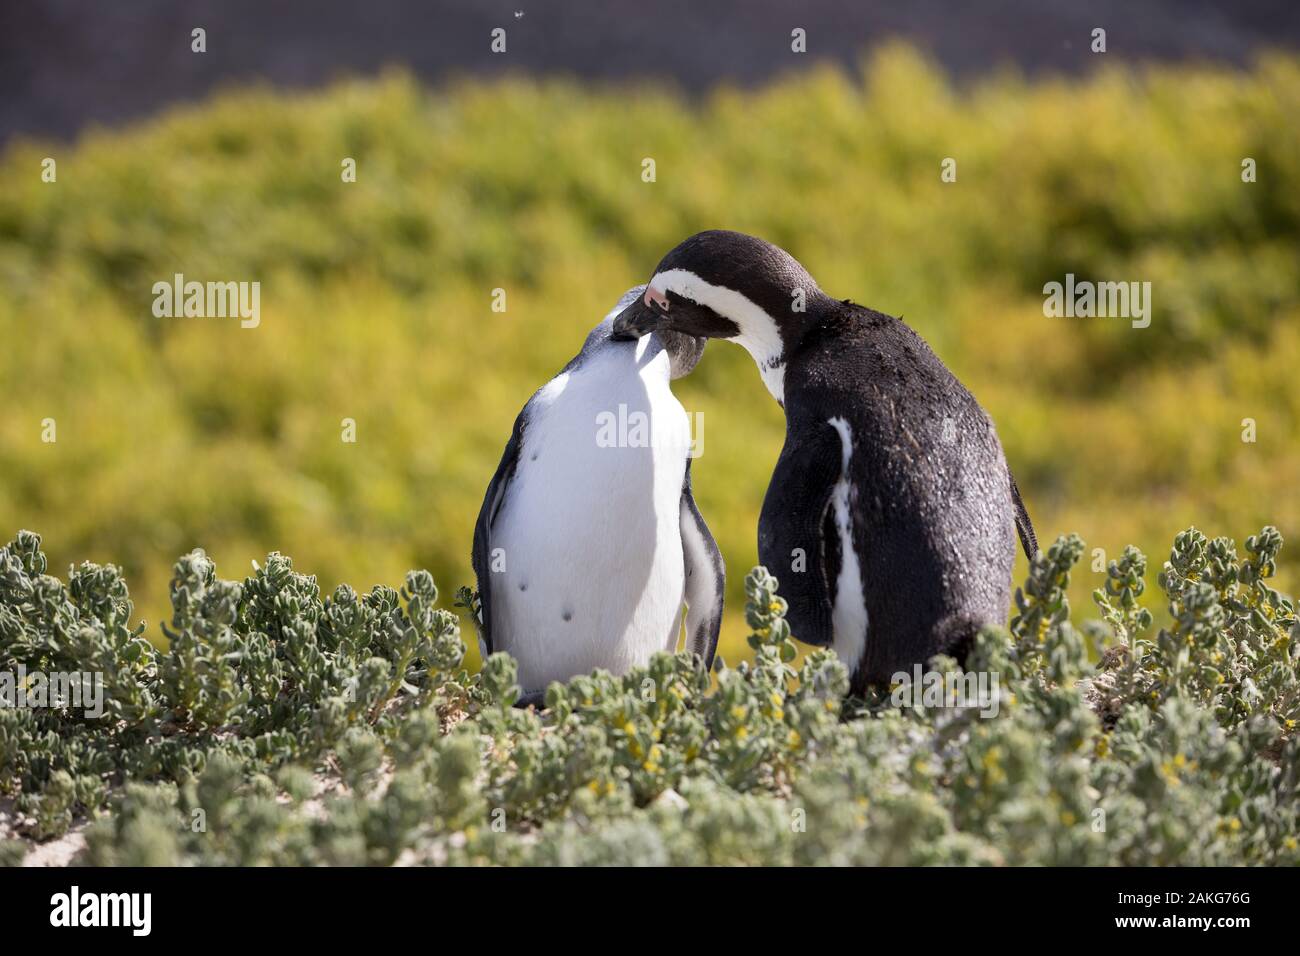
(60, 852)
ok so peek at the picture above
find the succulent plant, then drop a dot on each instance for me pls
(282, 727)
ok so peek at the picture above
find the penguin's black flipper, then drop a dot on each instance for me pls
(791, 540)
(1028, 540)
(706, 578)
(492, 502)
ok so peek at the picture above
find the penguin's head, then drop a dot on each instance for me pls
(683, 350)
(725, 285)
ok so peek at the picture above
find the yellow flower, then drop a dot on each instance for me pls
(1169, 769)
(993, 765)
(652, 762)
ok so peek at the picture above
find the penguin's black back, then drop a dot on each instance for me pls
(932, 514)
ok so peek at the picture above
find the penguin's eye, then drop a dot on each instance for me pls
(657, 299)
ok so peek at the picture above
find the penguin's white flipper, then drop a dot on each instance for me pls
(482, 552)
(706, 578)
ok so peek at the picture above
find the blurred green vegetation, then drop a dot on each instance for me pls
(376, 295)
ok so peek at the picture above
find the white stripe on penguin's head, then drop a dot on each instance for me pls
(759, 334)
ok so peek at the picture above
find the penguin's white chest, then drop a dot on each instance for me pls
(590, 571)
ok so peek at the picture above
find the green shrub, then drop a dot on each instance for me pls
(376, 298)
(283, 728)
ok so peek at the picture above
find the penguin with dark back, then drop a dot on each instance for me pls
(890, 517)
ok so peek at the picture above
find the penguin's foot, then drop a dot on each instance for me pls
(536, 698)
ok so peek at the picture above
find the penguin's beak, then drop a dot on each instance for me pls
(635, 321)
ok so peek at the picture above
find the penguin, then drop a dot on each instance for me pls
(589, 540)
(891, 514)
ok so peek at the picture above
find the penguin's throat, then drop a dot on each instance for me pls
(760, 337)
(770, 359)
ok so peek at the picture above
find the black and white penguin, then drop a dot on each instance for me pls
(891, 513)
(589, 540)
